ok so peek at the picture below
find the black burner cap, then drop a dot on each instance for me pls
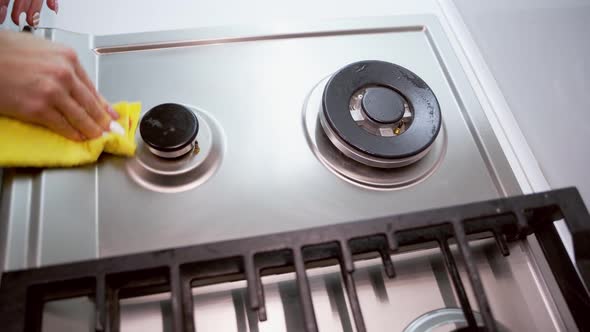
(169, 127)
(383, 105)
(349, 80)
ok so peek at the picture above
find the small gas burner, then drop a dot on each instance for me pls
(380, 114)
(169, 130)
(168, 158)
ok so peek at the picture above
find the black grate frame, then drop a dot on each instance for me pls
(177, 270)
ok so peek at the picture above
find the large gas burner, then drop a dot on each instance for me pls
(380, 114)
(375, 124)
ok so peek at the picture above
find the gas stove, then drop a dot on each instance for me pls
(254, 131)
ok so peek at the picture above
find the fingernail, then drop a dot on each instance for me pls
(22, 21)
(36, 19)
(116, 128)
(112, 112)
(3, 12)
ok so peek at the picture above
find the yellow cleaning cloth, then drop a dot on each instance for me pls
(27, 145)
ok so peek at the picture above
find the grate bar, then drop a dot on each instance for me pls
(176, 290)
(580, 305)
(100, 323)
(353, 299)
(347, 270)
(522, 225)
(187, 303)
(577, 218)
(113, 322)
(304, 292)
(255, 290)
(35, 309)
(502, 244)
(457, 283)
(391, 240)
(387, 263)
(474, 278)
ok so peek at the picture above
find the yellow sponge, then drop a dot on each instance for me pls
(27, 145)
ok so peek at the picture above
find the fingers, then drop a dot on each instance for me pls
(31, 7)
(78, 117)
(34, 12)
(56, 122)
(40, 113)
(53, 5)
(110, 110)
(85, 98)
(84, 92)
(3, 11)
(19, 6)
(88, 83)
(77, 99)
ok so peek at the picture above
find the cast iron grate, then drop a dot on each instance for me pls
(107, 280)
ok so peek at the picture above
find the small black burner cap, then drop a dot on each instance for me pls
(347, 81)
(383, 105)
(169, 127)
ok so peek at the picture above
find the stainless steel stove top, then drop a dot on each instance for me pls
(250, 87)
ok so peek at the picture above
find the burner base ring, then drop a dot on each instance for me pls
(192, 165)
(355, 172)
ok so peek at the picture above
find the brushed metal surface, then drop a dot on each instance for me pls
(269, 175)
(254, 81)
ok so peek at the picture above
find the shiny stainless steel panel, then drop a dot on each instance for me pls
(269, 175)
(268, 169)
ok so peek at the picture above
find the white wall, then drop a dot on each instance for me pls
(122, 16)
(539, 53)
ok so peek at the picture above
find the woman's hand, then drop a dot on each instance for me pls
(31, 7)
(43, 83)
